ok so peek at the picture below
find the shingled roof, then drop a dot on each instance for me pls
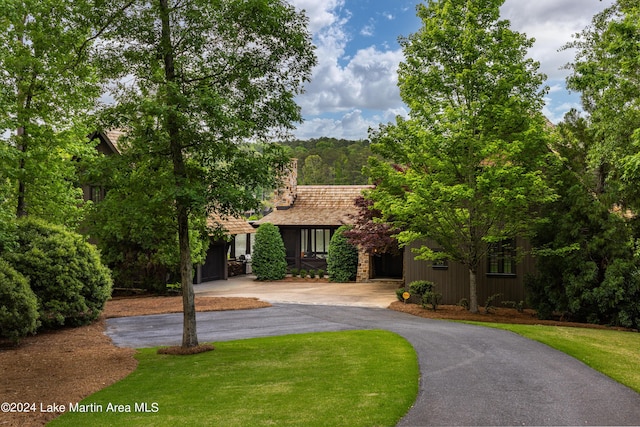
(231, 225)
(318, 205)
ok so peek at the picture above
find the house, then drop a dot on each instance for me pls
(107, 146)
(502, 272)
(309, 215)
(226, 255)
(310, 220)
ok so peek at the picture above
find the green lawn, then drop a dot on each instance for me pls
(353, 378)
(614, 353)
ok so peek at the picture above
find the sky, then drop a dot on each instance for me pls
(354, 85)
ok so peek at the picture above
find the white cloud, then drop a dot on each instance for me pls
(352, 90)
(321, 13)
(368, 30)
(365, 80)
(552, 23)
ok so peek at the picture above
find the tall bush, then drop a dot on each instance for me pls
(64, 270)
(18, 305)
(342, 257)
(269, 255)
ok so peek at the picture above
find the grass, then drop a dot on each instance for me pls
(614, 353)
(352, 378)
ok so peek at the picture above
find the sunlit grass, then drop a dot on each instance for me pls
(353, 378)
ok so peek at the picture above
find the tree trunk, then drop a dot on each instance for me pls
(189, 333)
(473, 291)
(21, 210)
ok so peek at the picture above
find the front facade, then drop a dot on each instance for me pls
(502, 272)
(308, 216)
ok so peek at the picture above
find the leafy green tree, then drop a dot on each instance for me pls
(468, 160)
(134, 230)
(18, 305)
(49, 88)
(606, 73)
(587, 268)
(330, 161)
(314, 171)
(206, 76)
(269, 255)
(342, 257)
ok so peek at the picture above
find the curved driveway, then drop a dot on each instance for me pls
(470, 375)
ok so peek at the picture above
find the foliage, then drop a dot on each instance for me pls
(303, 273)
(342, 257)
(330, 161)
(421, 287)
(519, 306)
(294, 272)
(488, 304)
(206, 76)
(64, 271)
(588, 269)
(605, 72)
(18, 305)
(423, 291)
(133, 227)
(369, 232)
(467, 163)
(269, 254)
(49, 89)
(293, 379)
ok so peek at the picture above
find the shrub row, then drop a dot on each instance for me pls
(269, 256)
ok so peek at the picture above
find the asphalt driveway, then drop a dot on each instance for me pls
(470, 375)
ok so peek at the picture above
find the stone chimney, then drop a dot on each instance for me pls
(288, 192)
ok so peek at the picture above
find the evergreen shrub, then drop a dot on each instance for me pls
(269, 256)
(65, 273)
(342, 257)
(18, 305)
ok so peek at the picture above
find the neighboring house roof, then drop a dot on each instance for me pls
(317, 205)
(231, 225)
(108, 141)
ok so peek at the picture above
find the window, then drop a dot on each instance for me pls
(502, 257)
(315, 242)
(439, 264)
(96, 194)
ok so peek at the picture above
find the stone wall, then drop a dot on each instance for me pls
(364, 267)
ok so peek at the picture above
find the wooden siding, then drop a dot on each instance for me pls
(453, 281)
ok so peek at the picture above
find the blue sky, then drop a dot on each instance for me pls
(354, 85)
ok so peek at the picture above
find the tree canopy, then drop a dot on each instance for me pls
(193, 79)
(49, 89)
(467, 163)
(330, 161)
(606, 73)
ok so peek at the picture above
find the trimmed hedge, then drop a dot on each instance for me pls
(18, 305)
(342, 257)
(269, 261)
(64, 271)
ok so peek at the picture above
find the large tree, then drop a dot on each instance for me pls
(467, 162)
(48, 87)
(606, 72)
(197, 78)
